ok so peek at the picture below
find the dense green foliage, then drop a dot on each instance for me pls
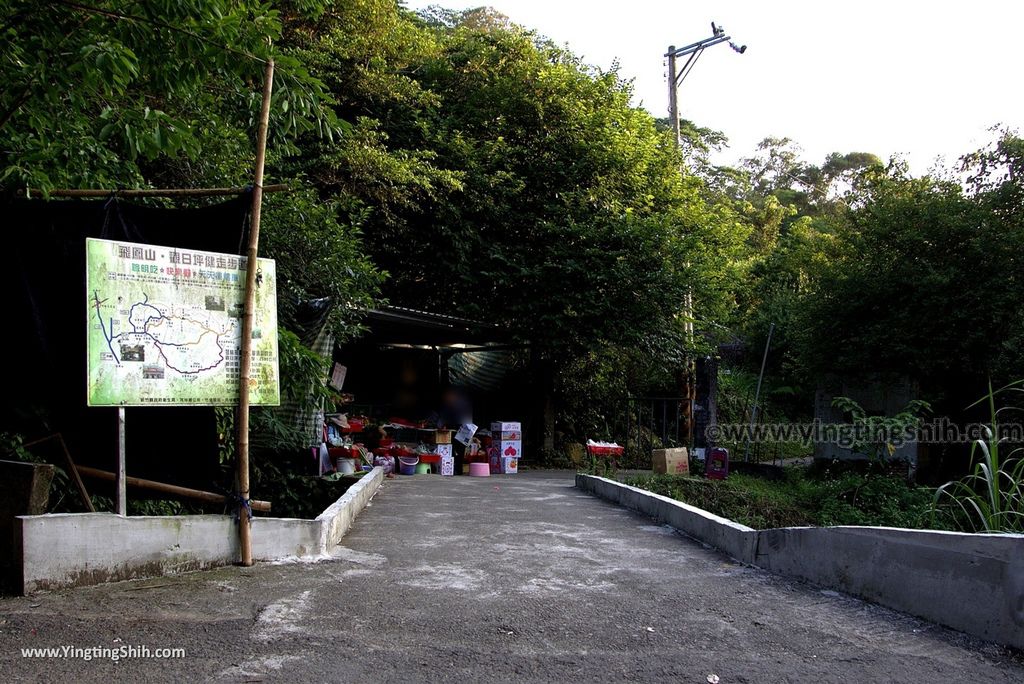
(877, 271)
(456, 162)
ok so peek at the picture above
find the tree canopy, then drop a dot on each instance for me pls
(457, 162)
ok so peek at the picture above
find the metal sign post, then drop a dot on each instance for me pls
(122, 497)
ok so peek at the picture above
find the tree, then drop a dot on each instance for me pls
(90, 89)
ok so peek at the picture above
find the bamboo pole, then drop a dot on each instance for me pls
(154, 192)
(163, 487)
(245, 364)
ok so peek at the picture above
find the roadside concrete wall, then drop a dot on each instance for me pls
(77, 549)
(336, 520)
(738, 541)
(970, 582)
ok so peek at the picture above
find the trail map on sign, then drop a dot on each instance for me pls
(165, 326)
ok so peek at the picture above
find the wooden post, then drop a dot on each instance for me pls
(72, 469)
(164, 488)
(245, 363)
(122, 494)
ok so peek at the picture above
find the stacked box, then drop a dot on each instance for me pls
(509, 465)
(439, 437)
(448, 465)
(506, 430)
(443, 450)
(507, 438)
(512, 449)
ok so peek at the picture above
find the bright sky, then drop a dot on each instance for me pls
(922, 79)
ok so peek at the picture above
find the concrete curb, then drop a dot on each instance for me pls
(738, 541)
(77, 549)
(970, 582)
(337, 518)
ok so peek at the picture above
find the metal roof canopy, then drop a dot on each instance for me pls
(400, 327)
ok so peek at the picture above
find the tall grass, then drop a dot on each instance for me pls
(991, 497)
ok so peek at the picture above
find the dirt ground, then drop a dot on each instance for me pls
(491, 580)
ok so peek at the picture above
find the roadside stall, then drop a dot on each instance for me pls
(411, 395)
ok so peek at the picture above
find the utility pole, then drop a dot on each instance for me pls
(675, 78)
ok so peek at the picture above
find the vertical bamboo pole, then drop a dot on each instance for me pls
(245, 363)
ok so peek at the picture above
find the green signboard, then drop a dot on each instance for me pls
(165, 326)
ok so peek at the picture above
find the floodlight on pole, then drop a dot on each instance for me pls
(675, 77)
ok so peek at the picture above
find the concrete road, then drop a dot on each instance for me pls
(518, 578)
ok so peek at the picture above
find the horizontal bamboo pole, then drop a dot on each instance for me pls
(156, 192)
(198, 494)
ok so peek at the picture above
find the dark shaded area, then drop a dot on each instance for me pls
(403, 365)
(24, 490)
(44, 286)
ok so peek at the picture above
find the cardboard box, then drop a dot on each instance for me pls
(509, 466)
(465, 433)
(509, 449)
(507, 436)
(448, 465)
(443, 450)
(439, 437)
(505, 426)
(671, 461)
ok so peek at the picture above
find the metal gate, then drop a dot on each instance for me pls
(652, 423)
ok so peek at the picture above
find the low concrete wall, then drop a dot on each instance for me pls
(77, 549)
(336, 520)
(970, 582)
(739, 541)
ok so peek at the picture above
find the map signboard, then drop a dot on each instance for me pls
(165, 326)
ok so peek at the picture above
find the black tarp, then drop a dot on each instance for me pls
(44, 292)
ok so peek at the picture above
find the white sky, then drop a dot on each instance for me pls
(922, 79)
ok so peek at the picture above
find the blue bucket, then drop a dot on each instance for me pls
(407, 466)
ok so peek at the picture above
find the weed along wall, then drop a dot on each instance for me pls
(970, 582)
(76, 549)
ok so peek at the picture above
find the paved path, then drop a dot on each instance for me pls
(493, 580)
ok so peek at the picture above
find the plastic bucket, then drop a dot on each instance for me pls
(480, 469)
(422, 468)
(407, 465)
